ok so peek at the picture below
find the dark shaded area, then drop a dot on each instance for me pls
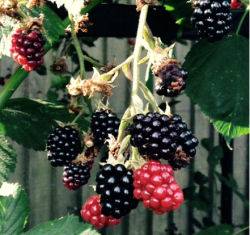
(119, 20)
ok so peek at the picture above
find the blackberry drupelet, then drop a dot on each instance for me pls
(159, 136)
(76, 175)
(212, 18)
(171, 78)
(115, 185)
(27, 48)
(63, 145)
(103, 123)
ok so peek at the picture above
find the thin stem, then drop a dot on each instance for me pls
(92, 61)
(137, 50)
(77, 117)
(14, 82)
(78, 48)
(241, 21)
(242, 230)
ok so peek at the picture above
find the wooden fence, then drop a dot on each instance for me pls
(49, 199)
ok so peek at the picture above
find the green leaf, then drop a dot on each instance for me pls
(67, 225)
(52, 24)
(222, 229)
(215, 155)
(29, 122)
(14, 209)
(230, 130)
(218, 83)
(7, 159)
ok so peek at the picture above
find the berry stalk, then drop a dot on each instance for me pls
(242, 20)
(137, 51)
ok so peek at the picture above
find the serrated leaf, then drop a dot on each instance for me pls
(230, 130)
(29, 122)
(14, 209)
(7, 159)
(52, 24)
(218, 84)
(222, 229)
(67, 225)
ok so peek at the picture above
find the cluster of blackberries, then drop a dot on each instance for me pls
(27, 48)
(212, 18)
(103, 123)
(115, 185)
(159, 136)
(63, 146)
(171, 78)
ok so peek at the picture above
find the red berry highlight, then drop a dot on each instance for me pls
(158, 190)
(91, 212)
(27, 48)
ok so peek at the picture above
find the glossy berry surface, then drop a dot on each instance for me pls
(76, 175)
(212, 18)
(103, 123)
(91, 213)
(115, 185)
(27, 48)
(63, 145)
(171, 80)
(159, 136)
(155, 186)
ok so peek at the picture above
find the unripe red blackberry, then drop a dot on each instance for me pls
(27, 48)
(171, 78)
(63, 145)
(91, 212)
(155, 186)
(115, 185)
(103, 123)
(76, 175)
(212, 19)
(159, 136)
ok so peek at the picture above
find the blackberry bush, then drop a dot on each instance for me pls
(159, 136)
(63, 145)
(115, 185)
(212, 18)
(27, 48)
(171, 78)
(76, 175)
(103, 123)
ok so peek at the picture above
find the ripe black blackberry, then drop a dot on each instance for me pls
(76, 175)
(159, 136)
(171, 78)
(115, 185)
(212, 18)
(103, 123)
(63, 145)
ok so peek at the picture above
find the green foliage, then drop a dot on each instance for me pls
(67, 225)
(7, 159)
(29, 122)
(53, 25)
(14, 209)
(218, 83)
(222, 229)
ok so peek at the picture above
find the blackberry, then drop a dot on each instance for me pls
(115, 185)
(63, 145)
(212, 18)
(159, 136)
(103, 123)
(76, 175)
(171, 78)
(27, 48)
